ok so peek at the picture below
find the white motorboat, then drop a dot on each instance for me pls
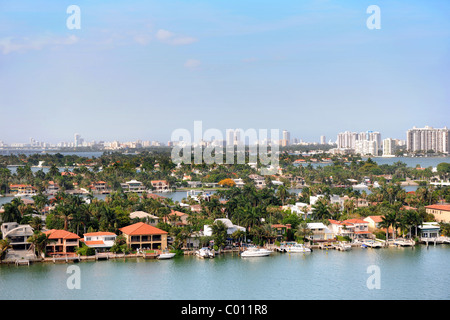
(296, 248)
(399, 242)
(371, 244)
(205, 253)
(255, 252)
(166, 255)
(343, 246)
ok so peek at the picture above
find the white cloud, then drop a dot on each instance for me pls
(10, 44)
(143, 39)
(169, 37)
(192, 64)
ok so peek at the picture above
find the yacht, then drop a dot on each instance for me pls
(255, 252)
(296, 247)
(343, 246)
(399, 242)
(204, 253)
(371, 244)
(166, 255)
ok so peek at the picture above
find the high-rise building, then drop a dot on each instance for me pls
(428, 138)
(77, 140)
(348, 140)
(374, 136)
(366, 147)
(286, 138)
(323, 140)
(388, 147)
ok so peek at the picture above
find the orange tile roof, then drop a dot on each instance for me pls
(355, 221)
(141, 228)
(93, 243)
(61, 234)
(177, 213)
(444, 207)
(376, 218)
(100, 233)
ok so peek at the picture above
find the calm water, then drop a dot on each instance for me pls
(405, 273)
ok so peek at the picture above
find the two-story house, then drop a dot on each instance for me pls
(133, 186)
(62, 242)
(17, 235)
(101, 241)
(142, 236)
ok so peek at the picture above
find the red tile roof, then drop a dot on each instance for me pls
(444, 207)
(61, 234)
(100, 233)
(141, 228)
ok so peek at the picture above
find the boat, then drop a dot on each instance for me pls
(254, 251)
(343, 246)
(205, 253)
(371, 244)
(296, 248)
(166, 255)
(400, 242)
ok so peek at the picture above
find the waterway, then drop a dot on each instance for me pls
(388, 273)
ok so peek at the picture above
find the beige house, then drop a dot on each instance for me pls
(62, 242)
(149, 218)
(144, 236)
(441, 212)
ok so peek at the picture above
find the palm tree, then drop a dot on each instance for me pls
(39, 240)
(303, 231)
(36, 223)
(4, 247)
(219, 233)
(282, 193)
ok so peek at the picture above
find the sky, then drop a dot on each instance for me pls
(142, 69)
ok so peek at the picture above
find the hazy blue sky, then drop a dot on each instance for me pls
(141, 69)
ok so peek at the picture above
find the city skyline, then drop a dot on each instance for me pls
(142, 69)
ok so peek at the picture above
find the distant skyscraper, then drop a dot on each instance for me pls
(77, 140)
(323, 140)
(428, 138)
(286, 138)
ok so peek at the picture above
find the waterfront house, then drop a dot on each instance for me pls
(52, 188)
(22, 189)
(160, 185)
(133, 186)
(441, 212)
(101, 241)
(142, 236)
(62, 242)
(99, 187)
(356, 229)
(142, 215)
(194, 184)
(17, 235)
(320, 232)
(429, 230)
(280, 230)
(231, 228)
